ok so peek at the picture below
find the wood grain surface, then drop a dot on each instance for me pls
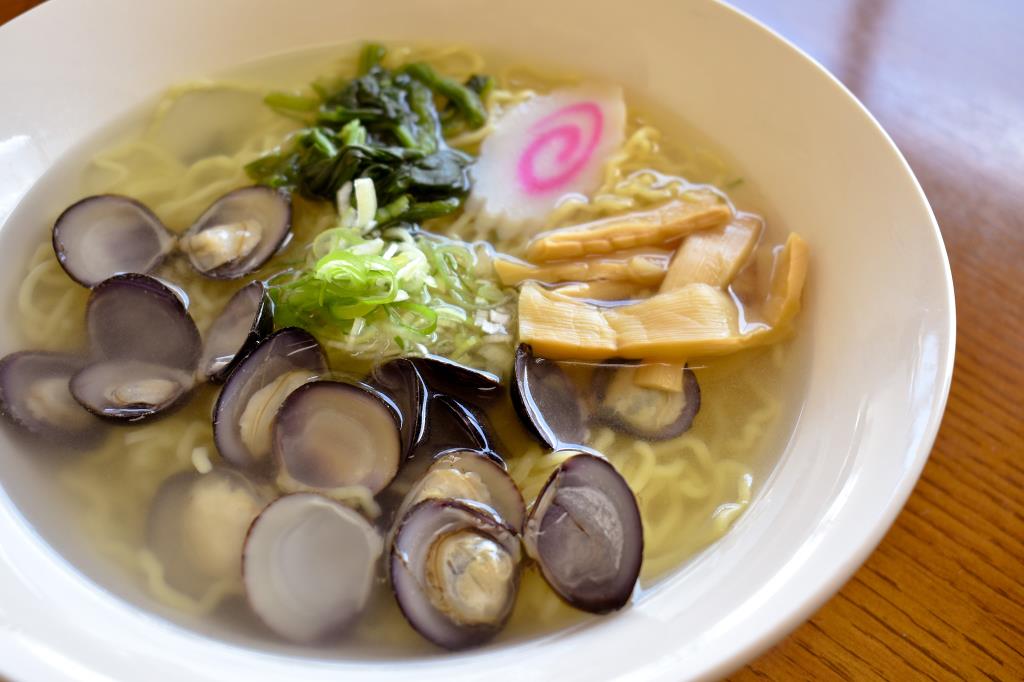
(943, 596)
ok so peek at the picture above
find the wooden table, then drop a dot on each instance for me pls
(943, 596)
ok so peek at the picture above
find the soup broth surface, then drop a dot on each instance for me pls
(181, 153)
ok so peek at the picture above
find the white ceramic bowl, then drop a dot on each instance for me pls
(874, 352)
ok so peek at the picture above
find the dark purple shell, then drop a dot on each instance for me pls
(34, 395)
(131, 390)
(647, 413)
(433, 417)
(106, 235)
(414, 384)
(330, 434)
(452, 423)
(286, 350)
(269, 208)
(426, 524)
(447, 377)
(584, 531)
(546, 400)
(247, 318)
(137, 317)
(402, 383)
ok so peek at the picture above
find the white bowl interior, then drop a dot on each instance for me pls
(872, 359)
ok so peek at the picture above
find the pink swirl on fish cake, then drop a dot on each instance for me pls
(573, 153)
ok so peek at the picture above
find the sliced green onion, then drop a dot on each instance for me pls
(396, 293)
(422, 318)
(366, 203)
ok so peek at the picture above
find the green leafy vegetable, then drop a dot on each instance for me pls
(372, 55)
(296, 106)
(452, 122)
(384, 125)
(465, 100)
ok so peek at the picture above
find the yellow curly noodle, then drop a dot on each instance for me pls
(115, 485)
(49, 304)
(690, 489)
(642, 174)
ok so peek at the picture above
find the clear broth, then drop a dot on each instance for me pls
(718, 465)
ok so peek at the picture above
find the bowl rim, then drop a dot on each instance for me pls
(840, 569)
(845, 568)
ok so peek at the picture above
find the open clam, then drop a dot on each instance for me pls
(447, 377)
(247, 318)
(584, 531)
(146, 346)
(239, 232)
(330, 434)
(137, 317)
(106, 235)
(472, 477)
(197, 524)
(35, 395)
(402, 383)
(439, 401)
(649, 413)
(130, 390)
(309, 565)
(546, 400)
(254, 391)
(455, 572)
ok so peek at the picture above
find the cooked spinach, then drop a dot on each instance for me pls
(385, 124)
(463, 99)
